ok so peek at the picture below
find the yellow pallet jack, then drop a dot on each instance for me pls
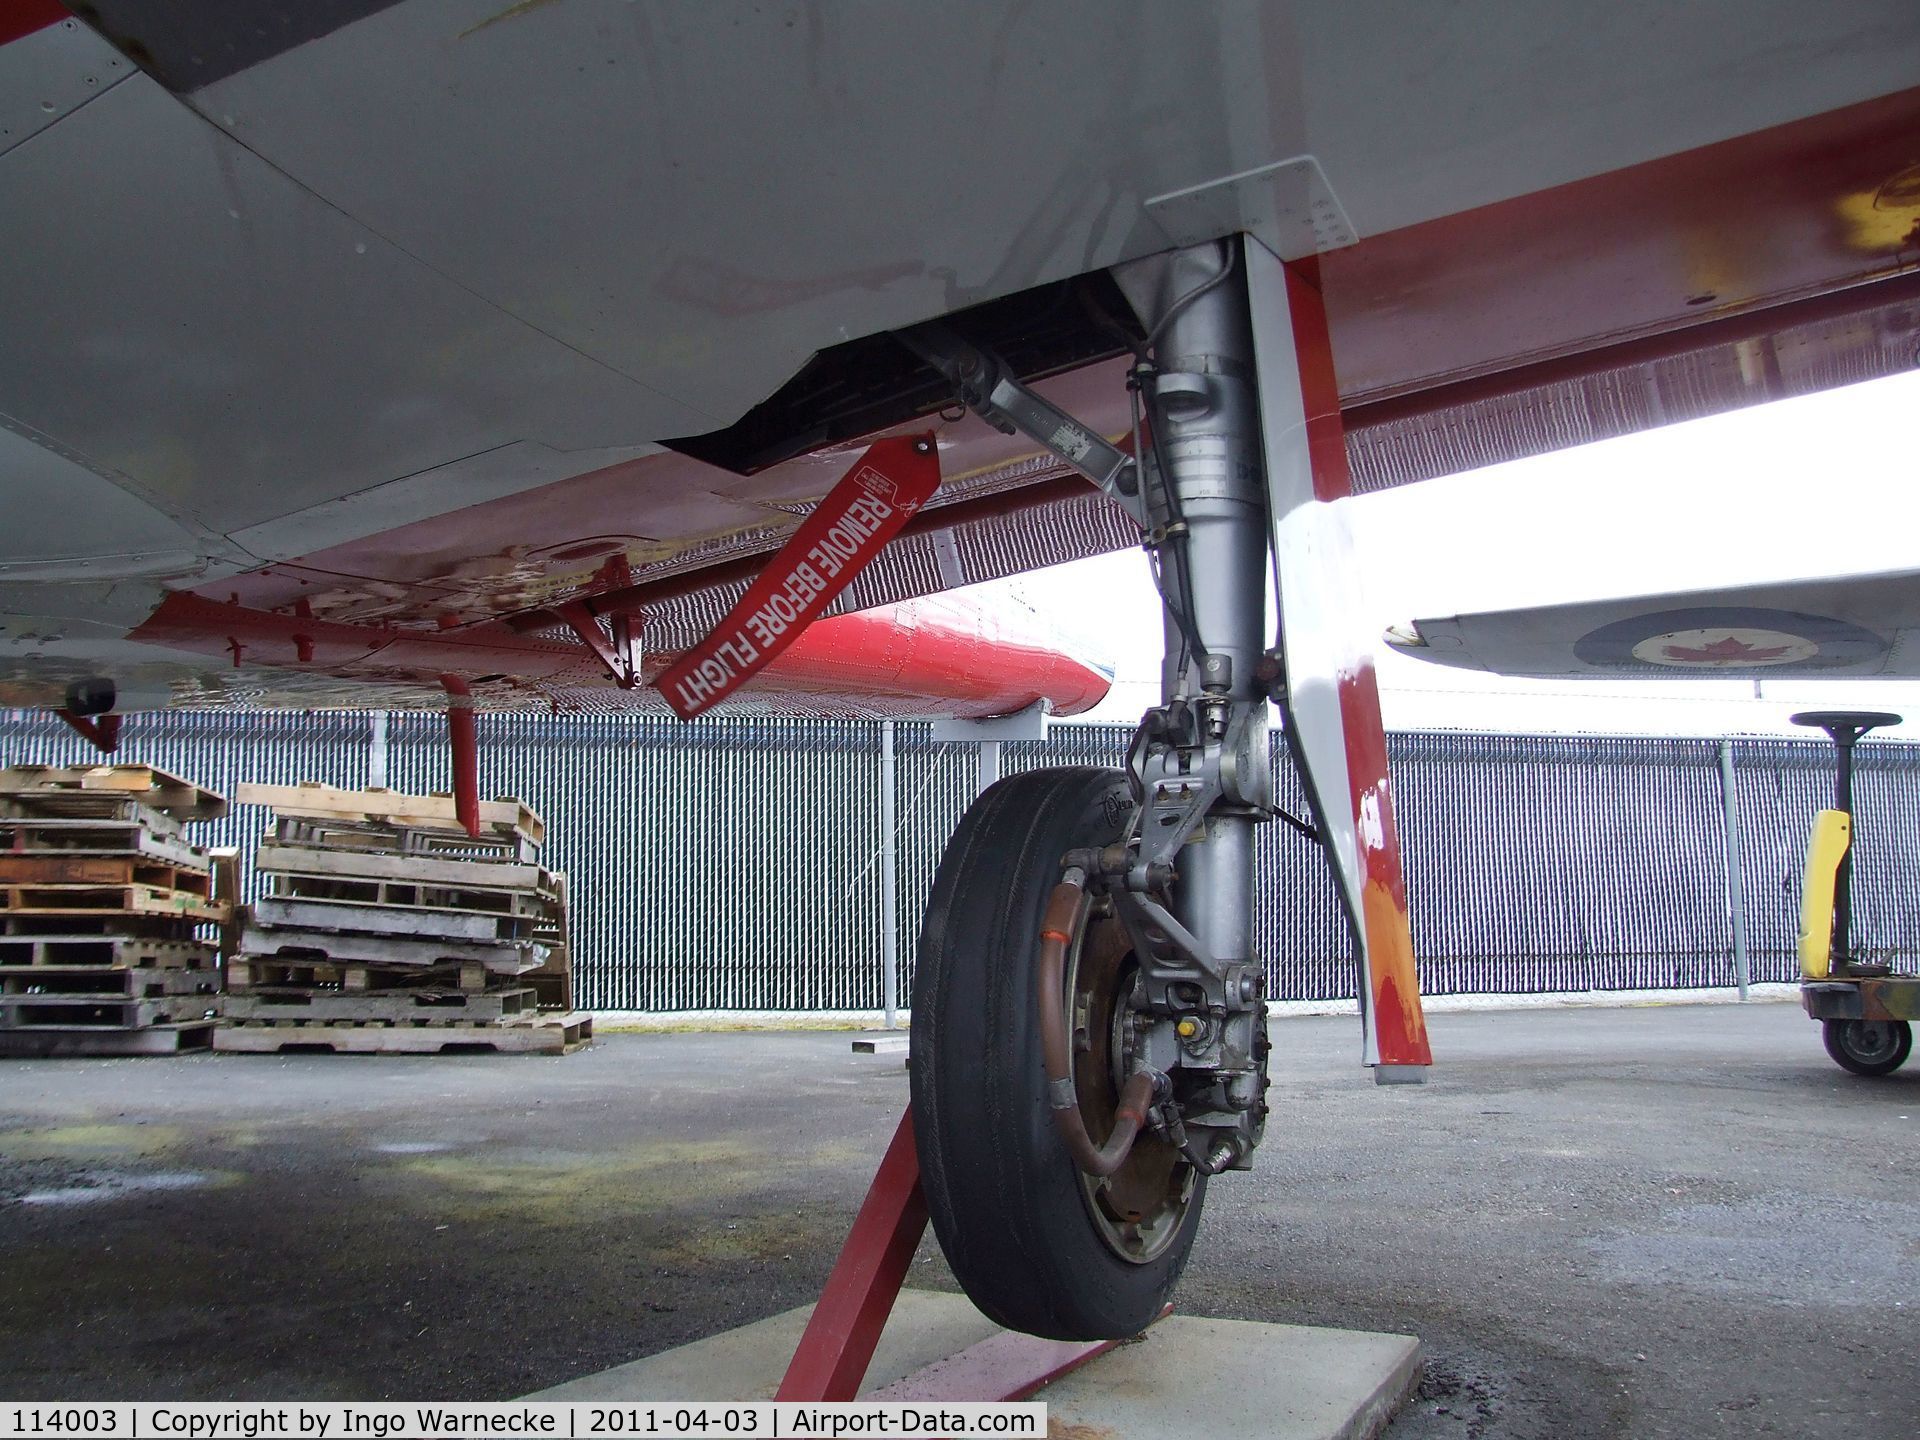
(1866, 1012)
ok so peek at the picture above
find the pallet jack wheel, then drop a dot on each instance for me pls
(1868, 1047)
(1037, 1245)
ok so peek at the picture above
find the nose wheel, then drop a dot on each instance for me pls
(1037, 1244)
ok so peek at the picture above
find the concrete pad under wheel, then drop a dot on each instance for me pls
(1185, 1376)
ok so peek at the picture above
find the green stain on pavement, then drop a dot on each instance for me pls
(573, 1188)
(79, 1142)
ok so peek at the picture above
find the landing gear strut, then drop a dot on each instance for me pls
(1089, 1013)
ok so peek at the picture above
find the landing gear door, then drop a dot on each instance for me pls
(1330, 704)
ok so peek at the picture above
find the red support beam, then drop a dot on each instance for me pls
(838, 1345)
(833, 1354)
(465, 740)
(1007, 1366)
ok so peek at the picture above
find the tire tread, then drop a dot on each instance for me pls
(1000, 1189)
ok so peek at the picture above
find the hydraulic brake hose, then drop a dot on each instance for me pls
(1056, 933)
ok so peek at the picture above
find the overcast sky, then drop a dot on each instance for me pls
(1824, 485)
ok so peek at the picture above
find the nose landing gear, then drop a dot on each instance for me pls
(1038, 1244)
(1089, 1016)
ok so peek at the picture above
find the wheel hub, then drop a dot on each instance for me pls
(1871, 1041)
(1139, 1209)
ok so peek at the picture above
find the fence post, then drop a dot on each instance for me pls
(1736, 879)
(377, 750)
(889, 881)
(989, 764)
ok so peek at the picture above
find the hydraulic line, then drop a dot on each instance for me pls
(1176, 588)
(1056, 933)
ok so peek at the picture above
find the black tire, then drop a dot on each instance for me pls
(1007, 1203)
(1868, 1047)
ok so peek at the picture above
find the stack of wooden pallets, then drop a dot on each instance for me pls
(386, 928)
(106, 938)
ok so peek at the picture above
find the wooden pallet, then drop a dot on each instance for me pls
(226, 892)
(129, 900)
(57, 1041)
(387, 928)
(554, 1035)
(48, 835)
(99, 806)
(188, 878)
(93, 980)
(105, 952)
(248, 973)
(458, 874)
(77, 790)
(388, 839)
(414, 812)
(554, 979)
(297, 943)
(100, 1012)
(343, 917)
(398, 1007)
(407, 895)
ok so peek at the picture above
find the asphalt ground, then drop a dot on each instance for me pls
(1669, 1221)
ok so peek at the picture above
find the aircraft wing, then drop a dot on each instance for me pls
(1855, 625)
(435, 317)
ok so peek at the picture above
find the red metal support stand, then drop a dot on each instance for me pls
(464, 739)
(833, 1354)
(1007, 1366)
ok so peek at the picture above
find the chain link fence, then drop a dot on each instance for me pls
(736, 864)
